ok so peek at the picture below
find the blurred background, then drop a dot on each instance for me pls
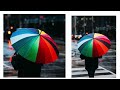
(52, 24)
(82, 25)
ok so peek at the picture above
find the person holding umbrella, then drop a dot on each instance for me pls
(91, 64)
(24, 67)
(33, 49)
(92, 47)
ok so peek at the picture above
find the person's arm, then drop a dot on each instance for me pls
(15, 62)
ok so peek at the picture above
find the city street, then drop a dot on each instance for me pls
(107, 64)
(52, 24)
(53, 70)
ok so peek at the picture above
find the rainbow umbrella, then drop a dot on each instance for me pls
(94, 45)
(34, 45)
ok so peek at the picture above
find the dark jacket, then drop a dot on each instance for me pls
(90, 62)
(25, 68)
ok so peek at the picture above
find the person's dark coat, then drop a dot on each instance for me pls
(25, 68)
(90, 63)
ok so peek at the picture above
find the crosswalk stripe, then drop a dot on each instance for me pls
(100, 72)
(100, 76)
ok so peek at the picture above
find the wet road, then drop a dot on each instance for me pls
(108, 61)
(56, 69)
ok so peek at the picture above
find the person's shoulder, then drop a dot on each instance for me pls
(82, 56)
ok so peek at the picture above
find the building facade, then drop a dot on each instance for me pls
(99, 24)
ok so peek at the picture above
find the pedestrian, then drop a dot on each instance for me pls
(24, 67)
(91, 64)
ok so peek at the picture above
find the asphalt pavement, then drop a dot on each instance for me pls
(52, 70)
(107, 64)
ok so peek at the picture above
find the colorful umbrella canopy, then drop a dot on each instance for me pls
(94, 45)
(34, 45)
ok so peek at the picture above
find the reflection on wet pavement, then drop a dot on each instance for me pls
(56, 69)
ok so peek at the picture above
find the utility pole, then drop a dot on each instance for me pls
(84, 24)
(75, 19)
(20, 22)
(92, 25)
(8, 21)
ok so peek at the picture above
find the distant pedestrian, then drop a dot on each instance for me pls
(91, 64)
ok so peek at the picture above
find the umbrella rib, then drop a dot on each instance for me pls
(96, 48)
(101, 47)
(40, 54)
(105, 43)
(25, 42)
(48, 48)
(85, 46)
(34, 43)
(54, 45)
(19, 37)
(84, 38)
(49, 51)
